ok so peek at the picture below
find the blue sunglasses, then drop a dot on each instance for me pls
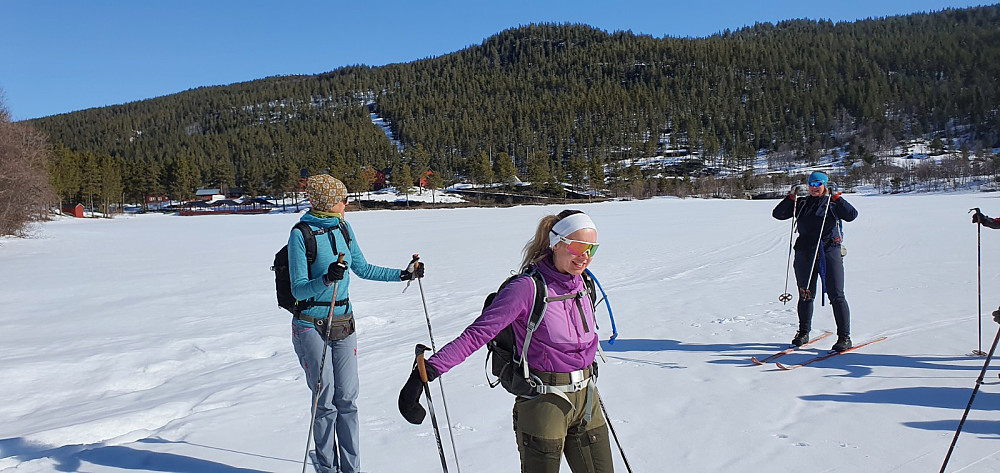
(815, 184)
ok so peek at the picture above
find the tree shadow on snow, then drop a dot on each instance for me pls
(72, 457)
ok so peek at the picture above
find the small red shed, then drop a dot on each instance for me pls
(73, 210)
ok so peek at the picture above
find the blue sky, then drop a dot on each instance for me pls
(61, 56)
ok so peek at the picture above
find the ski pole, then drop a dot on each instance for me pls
(430, 333)
(819, 242)
(979, 280)
(319, 379)
(975, 390)
(420, 349)
(787, 296)
(614, 434)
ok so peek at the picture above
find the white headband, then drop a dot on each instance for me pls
(568, 225)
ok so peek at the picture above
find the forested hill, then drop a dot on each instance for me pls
(564, 99)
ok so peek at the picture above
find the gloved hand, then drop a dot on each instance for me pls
(335, 272)
(834, 191)
(996, 318)
(409, 396)
(795, 190)
(979, 217)
(413, 271)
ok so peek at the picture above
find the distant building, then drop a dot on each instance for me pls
(423, 180)
(74, 210)
(156, 201)
(210, 195)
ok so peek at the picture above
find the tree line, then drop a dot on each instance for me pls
(552, 103)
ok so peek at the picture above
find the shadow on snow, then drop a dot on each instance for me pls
(856, 364)
(72, 457)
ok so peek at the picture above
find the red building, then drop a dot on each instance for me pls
(75, 210)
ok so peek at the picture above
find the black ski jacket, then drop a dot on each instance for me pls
(810, 219)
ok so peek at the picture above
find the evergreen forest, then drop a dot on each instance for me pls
(559, 103)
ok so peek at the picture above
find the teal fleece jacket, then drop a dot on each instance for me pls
(304, 288)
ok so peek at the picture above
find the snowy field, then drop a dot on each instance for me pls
(153, 343)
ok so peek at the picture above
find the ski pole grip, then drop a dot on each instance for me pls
(421, 368)
(340, 257)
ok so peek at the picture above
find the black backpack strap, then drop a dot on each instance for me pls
(588, 282)
(345, 230)
(309, 240)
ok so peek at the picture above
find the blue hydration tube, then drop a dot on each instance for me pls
(611, 315)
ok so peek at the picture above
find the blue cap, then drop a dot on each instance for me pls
(817, 176)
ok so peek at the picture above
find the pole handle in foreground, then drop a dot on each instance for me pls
(421, 368)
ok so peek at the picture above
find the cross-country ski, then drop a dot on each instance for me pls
(825, 356)
(788, 350)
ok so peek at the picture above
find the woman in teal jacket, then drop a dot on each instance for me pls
(313, 284)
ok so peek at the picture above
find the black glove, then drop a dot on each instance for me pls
(335, 272)
(996, 318)
(416, 273)
(409, 396)
(979, 217)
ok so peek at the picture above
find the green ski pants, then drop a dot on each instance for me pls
(547, 427)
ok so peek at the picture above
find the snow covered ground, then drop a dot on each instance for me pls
(153, 342)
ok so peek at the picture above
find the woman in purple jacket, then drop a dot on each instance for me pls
(566, 418)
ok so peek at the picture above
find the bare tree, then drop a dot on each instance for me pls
(25, 191)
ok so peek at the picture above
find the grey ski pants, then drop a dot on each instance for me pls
(337, 413)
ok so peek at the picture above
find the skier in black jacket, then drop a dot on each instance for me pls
(818, 253)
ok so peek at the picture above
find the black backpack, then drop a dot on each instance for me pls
(505, 363)
(282, 276)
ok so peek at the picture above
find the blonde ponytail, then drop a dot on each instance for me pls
(538, 247)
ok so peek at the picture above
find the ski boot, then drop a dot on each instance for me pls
(843, 343)
(801, 338)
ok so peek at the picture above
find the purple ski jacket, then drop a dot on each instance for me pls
(562, 343)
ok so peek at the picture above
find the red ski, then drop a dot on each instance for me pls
(828, 355)
(789, 350)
